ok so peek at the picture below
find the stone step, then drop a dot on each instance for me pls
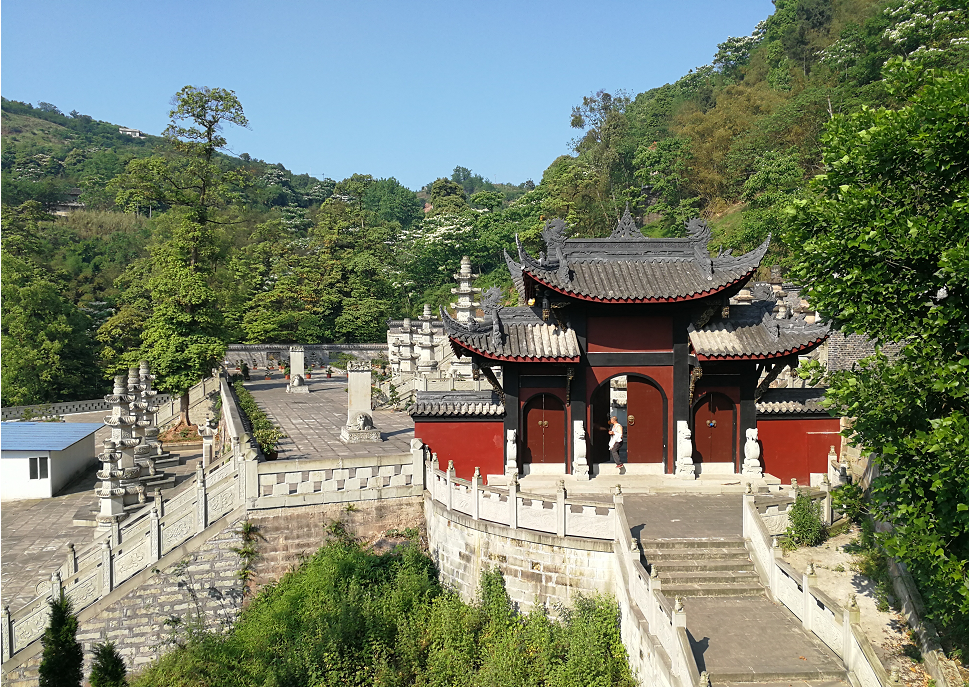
(660, 555)
(713, 589)
(811, 677)
(692, 565)
(669, 577)
(725, 543)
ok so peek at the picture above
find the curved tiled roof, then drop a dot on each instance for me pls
(629, 267)
(457, 404)
(789, 401)
(521, 335)
(751, 332)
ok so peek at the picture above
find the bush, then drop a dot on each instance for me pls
(805, 527)
(108, 668)
(351, 616)
(850, 500)
(265, 433)
(62, 662)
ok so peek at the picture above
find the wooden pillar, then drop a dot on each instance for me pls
(681, 409)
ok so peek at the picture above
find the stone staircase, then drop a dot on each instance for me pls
(702, 567)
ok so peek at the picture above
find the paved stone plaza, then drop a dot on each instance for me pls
(312, 422)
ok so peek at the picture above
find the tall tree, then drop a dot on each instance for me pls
(183, 336)
(882, 249)
(62, 662)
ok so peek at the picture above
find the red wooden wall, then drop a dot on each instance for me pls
(468, 444)
(625, 334)
(795, 447)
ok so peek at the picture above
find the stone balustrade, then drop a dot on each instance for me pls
(92, 572)
(837, 626)
(514, 508)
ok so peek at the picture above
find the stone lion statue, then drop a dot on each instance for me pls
(363, 421)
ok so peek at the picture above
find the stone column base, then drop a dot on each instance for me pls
(303, 389)
(348, 435)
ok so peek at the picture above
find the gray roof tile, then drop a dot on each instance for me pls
(788, 401)
(750, 331)
(457, 404)
(523, 334)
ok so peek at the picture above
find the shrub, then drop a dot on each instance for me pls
(805, 526)
(265, 433)
(108, 668)
(63, 659)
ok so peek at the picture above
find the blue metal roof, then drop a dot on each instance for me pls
(44, 436)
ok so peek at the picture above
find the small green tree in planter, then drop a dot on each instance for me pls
(268, 439)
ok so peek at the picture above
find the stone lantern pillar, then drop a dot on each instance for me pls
(426, 363)
(465, 309)
(407, 346)
(117, 459)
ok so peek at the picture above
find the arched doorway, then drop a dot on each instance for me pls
(715, 429)
(644, 418)
(544, 420)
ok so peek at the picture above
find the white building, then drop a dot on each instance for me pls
(38, 459)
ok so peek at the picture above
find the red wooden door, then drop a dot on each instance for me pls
(645, 422)
(545, 430)
(714, 431)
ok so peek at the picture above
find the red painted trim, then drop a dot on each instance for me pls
(780, 354)
(674, 299)
(511, 358)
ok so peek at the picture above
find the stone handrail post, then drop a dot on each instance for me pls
(56, 587)
(155, 534)
(159, 502)
(679, 615)
(809, 580)
(418, 462)
(107, 580)
(201, 519)
(514, 502)
(449, 477)
(71, 559)
(7, 633)
(561, 509)
(476, 487)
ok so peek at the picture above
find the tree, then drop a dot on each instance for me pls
(183, 336)
(108, 667)
(62, 662)
(881, 245)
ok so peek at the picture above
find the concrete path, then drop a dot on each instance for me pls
(683, 516)
(748, 639)
(312, 421)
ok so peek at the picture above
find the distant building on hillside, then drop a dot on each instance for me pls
(69, 204)
(38, 459)
(134, 133)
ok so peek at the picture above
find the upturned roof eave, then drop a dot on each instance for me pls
(509, 358)
(667, 299)
(804, 348)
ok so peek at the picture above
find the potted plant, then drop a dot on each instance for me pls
(268, 438)
(286, 372)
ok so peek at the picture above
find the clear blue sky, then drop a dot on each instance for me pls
(388, 88)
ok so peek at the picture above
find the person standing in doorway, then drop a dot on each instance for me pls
(616, 438)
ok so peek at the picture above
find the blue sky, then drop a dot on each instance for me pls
(402, 89)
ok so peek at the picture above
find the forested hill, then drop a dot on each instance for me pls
(278, 257)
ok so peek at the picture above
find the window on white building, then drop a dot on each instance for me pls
(38, 468)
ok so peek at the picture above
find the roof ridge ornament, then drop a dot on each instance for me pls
(626, 228)
(554, 234)
(699, 234)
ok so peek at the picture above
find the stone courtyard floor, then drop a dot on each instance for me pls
(312, 421)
